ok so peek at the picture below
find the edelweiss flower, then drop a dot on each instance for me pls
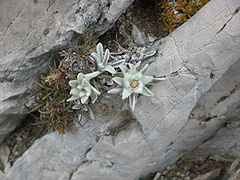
(82, 89)
(133, 83)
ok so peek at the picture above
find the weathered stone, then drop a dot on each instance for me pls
(4, 154)
(138, 36)
(201, 61)
(234, 170)
(30, 31)
(53, 163)
(225, 141)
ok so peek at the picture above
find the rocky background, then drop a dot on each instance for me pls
(195, 111)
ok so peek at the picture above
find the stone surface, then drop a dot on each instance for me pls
(30, 32)
(234, 170)
(225, 141)
(219, 151)
(201, 61)
(138, 36)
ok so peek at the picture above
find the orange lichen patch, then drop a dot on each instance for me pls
(173, 14)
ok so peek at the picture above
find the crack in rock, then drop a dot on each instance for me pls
(10, 24)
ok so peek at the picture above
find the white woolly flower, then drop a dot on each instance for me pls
(133, 83)
(82, 89)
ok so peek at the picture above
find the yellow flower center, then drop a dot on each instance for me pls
(134, 83)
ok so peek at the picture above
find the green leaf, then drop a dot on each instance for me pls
(92, 75)
(100, 51)
(95, 90)
(115, 91)
(118, 63)
(118, 80)
(96, 57)
(109, 69)
(93, 97)
(149, 54)
(106, 57)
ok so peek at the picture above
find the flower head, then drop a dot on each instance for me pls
(82, 89)
(133, 83)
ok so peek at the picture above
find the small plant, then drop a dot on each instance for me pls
(176, 13)
(51, 103)
(82, 89)
(132, 83)
(101, 59)
(81, 77)
(53, 88)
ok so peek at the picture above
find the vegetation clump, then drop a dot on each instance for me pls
(175, 13)
(82, 76)
(53, 88)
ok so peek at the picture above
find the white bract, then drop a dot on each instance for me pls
(82, 90)
(133, 83)
(101, 58)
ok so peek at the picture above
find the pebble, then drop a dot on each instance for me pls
(19, 138)
(179, 174)
(151, 38)
(138, 36)
(15, 153)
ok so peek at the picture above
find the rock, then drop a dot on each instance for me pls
(30, 32)
(214, 174)
(56, 157)
(138, 36)
(201, 61)
(157, 176)
(4, 154)
(151, 39)
(224, 142)
(234, 170)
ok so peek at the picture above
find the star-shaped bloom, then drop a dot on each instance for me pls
(132, 83)
(82, 90)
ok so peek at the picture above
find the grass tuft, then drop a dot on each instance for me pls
(53, 89)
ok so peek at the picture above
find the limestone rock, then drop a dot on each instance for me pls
(138, 36)
(30, 32)
(234, 170)
(201, 61)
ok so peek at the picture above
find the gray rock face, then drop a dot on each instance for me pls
(30, 31)
(201, 61)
